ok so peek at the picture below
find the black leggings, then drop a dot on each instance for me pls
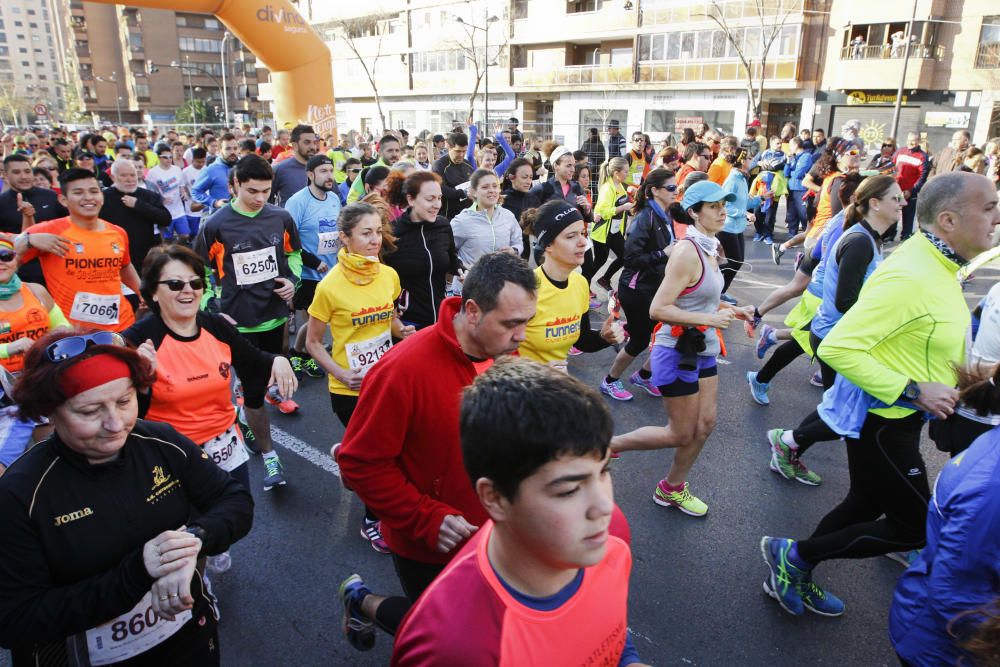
(732, 244)
(829, 375)
(415, 577)
(616, 243)
(343, 407)
(640, 327)
(888, 477)
(783, 355)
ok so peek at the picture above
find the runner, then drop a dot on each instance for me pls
(649, 242)
(166, 179)
(193, 353)
(685, 347)
(610, 215)
(738, 211)
(401, 452)
(211, 190)
(885, 346)
(357, 303)
(315, 210)
(189, 176)
(455, 172)
(562, 319)
(253, 249)
(389, 152)
(84, 259)
(545, 565)
(517, 196)
(290, 174)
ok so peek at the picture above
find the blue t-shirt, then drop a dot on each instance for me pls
(316, 220)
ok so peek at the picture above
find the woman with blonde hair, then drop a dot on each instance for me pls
(610, 214)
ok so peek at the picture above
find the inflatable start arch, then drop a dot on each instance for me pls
(299, 61)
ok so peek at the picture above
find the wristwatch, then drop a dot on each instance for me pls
(197, 531)
(911, 392)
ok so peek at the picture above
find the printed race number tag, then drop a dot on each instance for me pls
(363, 355)
(329, 243)
(134, 632)
(96, 308)
(255, 266)
(227, 449)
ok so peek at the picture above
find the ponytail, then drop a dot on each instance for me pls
(609, 167)
(873, 187)
(978, 391)
(654, 179)
(680, 215)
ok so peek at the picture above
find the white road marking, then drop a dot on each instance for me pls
(756, 283)
(308, 452)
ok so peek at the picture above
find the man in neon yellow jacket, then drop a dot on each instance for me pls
(897, 344)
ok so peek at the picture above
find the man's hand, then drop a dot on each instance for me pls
(147, 352)
(50, 243)
(936, 399)
(24, 207)
(129, 200)
(285, 289)
(454, 529)
(322, 268)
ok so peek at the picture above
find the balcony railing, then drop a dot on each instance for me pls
(988, 55)
(888, 51)
(573, 75)
(715, 70)
(672, 12)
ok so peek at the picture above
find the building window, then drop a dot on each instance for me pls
(18, 24)
(42, 77)
(869, 41)
(211, 24)
(22, 50)
(988, 51)
(142, 90)
(580, 6)
(31, 12)
(33, 25)
(714, 44)
(182, 21)
(439, 61)
(135, 41)
(199, 45)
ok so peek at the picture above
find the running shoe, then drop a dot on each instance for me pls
(768, 241)
(768, 338)
(372, 531)
(605, 283)
(776, 253)
(757, 238)
(574, 352)
(274, 474)
(816, 379)
(804, 475)
(904, 558)
(732, 301)
(817, 600)
(360, 631)
(645, 384)
(682, 500)
(758, 389)
(798, 259)
(249, 439)
(596, 304)
(286, 406)
(781, 454)
(296, 363)
(219, 564)
(784, 579)
(615, 390)
(312, 369)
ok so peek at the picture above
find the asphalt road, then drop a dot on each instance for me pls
(695, 595)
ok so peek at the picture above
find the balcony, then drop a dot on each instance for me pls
(889, 52)
(988, 55)
(549, 22)
(716, 71)
(674, 13)
(573, 75)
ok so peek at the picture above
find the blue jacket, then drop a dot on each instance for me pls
(736, 210)
(796, 169)
(959, 568)
(769, 160)
(212, 185)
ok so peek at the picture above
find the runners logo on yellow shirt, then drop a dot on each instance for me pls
(561, 328)
(372, 315)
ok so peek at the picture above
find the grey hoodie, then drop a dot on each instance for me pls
(475, 235)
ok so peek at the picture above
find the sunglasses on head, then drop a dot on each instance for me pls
(175, 285)
(7, 256)
(74, 346)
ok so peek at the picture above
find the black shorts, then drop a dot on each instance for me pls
(808, 264)
(304, 294)
(255, 385)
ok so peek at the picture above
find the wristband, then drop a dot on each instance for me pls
(4, 354)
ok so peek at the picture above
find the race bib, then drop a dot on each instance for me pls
(637, 178)
(95, 308)
(255, 266)
(227, 449)
(134, 632)
(363, 355)
(329, 243)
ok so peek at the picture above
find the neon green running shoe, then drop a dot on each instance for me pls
(781, 454)
(682, 500)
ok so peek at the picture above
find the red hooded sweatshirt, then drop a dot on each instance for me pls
(401, 453)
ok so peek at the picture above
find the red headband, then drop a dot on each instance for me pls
(92, 372)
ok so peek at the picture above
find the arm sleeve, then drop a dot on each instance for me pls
(248, 360)
(853, 258)
(501, 168)
(516, 240)
(202, 186)
(56, 318)
(637, 257)
(606, 198)
(447, 190)
(589, 340)
(470, 153)
(925, 170)
(153, 211)
(310, 260)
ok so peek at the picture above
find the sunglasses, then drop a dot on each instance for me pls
(74, 346)
(7, 256)
(176, 285)
(669, 188)
(353, 171)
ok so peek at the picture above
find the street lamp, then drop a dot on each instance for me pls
(186, 67)
(225, 89)
(486, 31)
(118, 98)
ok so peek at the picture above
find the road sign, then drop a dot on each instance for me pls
(41, 110)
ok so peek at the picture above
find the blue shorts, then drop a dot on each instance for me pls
(183, 226)
(673, 381)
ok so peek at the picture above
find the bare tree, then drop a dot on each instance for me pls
(351, 30)
(12, 103)
(479, 58)
(771, 15)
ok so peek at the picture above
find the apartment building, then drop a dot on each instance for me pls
(952, 69)
(30, 63)
(139, 65)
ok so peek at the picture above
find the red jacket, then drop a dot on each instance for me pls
(909, 167)
(401, 453)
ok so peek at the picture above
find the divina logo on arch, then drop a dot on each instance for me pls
(287, 17)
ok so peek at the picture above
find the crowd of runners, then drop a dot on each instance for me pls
(161, 292)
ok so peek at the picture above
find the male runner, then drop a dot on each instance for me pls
(290, 174)
(389, 152)
(165, 178)
(211, 190)
(253, 249)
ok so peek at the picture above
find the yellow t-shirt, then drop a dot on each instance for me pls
(360, 319)
(556, 324)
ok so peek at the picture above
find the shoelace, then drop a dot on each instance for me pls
(810, 587)
(799, 465)
(272, 466)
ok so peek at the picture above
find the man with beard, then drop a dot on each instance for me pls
(211, 190)
(315, 210)
(389, 152)
(290, 174)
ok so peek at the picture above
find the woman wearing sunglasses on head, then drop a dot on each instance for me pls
(106, 521)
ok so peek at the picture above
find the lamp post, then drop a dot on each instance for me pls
(225, 89)
(486, 32)
(187, 67)
(902, 78)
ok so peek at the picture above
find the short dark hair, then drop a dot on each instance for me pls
(159, 257)
(38, 391)
(73, 175)
(458, 139)
(197, 153)
(389, 138)
(248, 145)
(487, 277)
(228, 136)
(42, 171)
(351, 161)
(301, 129)
(60, 142)
(520, 415)
(252, 168)
(122, 145)
(16, 157)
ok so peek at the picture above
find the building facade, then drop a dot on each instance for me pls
(31, 70)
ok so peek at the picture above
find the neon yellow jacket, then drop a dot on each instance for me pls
(607, 195)
(909, 323)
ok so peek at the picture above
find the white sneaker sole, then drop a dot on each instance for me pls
(754, 396)
(666, 503)
(616, 398)
(654, 394)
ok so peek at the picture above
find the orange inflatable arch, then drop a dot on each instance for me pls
(299, 61)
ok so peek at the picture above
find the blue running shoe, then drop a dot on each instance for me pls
(757, 238)
(758, 389)
(360, 631)
(904, 558)
(818, 601)
(785, 579)
(767, 339)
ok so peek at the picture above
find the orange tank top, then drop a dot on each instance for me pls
(824, 209)
(31, 320)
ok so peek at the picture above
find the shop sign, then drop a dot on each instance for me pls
(950, 119)
(861, 97)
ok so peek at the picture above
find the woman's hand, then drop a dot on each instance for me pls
(612, 331)
(168, 552)
(283, 376)
(744, 313)
(721, 319)
(147, 352)
(350, 378)
(171, 593)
